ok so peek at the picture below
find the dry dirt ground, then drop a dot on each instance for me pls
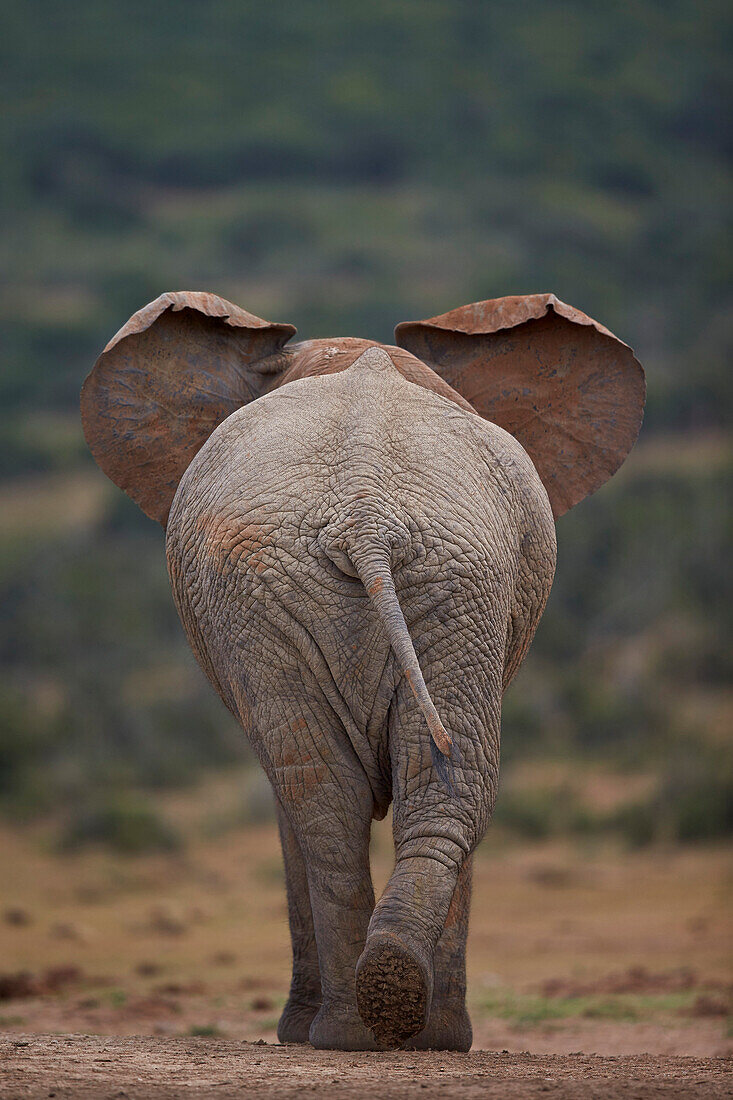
(592, 972)
(87, 1067)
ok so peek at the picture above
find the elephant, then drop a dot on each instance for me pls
(360, 539)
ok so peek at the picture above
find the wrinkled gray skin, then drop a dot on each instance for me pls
(291, 501)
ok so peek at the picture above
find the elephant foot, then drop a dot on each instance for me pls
(393, 991)
(446, 1030)
(338, 1027)
(295, 1022)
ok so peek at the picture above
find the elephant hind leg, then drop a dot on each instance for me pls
(395, 973)
(421, 918)
(449, 1025)
(410, 978)
(335, 838)
(304, 1000)
(328, 803)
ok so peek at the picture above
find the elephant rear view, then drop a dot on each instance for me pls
(360, 540)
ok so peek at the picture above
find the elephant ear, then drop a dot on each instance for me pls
(180, 366)
(563, 385)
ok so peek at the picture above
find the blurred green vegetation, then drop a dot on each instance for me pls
(523, 1010)
(124, 824)
(345, 167)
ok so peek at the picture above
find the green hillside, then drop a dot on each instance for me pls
(345, 167)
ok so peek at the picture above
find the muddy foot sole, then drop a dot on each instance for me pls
(392, 992)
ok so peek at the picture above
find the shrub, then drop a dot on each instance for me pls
(126, 825)
(694, 803)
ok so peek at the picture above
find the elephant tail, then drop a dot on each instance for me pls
(379, 584)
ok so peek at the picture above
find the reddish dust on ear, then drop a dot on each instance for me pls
(180, 366)
(562, 384)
